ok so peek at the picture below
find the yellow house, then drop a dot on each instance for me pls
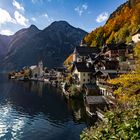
(82, 73)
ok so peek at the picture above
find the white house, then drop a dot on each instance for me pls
(136, 37)
(34, 70)
(40, 69)
(82, 74)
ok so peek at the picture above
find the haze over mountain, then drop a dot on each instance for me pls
(51, 45)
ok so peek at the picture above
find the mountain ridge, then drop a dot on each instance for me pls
(51, 45)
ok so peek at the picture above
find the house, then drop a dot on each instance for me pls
(109, 51)
(130, 52)
(34, 71)
(37, 70)
(101, 80)
(101, 63)
(115, 51)
(80, 54)
(82, 73)
(40, 69)
(136, 36)
(60, 73)
(94, 103)
(106, 64)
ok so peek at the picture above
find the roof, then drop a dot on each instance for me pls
(84, 67)
(108, 47)
(90, 86)
(59, 69)
(85, 51)
(120, 45)
(138, 31)
(95, 100)
(33, 67)
(112, 74)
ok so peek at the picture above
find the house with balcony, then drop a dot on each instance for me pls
(102, 78)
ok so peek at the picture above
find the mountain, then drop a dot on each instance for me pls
(51, 45)
(121, 24)
(4, 42)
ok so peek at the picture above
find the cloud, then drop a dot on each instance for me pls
(6, 32)
(37, 1)
(33, 19)
(48, 17)
(20, 19)
(40, 1)
(81, 9)
(102, 17)
(18, 5)
(5, 17)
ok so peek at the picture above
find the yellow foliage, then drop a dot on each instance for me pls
(69, 60)
(129, 84)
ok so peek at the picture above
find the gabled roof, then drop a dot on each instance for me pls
(138, 31)
(110, 75)
(118, 46)
(33, 67)
(85, 51)
(83, 67)
(95, 100)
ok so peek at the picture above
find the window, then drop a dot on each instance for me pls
(84, 80)
(88, 80)
(83, 74)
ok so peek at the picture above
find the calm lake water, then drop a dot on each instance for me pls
(37, 111)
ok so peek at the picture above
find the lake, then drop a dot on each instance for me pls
(37, 111)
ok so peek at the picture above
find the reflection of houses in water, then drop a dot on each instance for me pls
(78, 110)
(37, 87)
(78, 114)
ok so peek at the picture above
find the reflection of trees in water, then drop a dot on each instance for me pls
(79, 113)
(35, 98)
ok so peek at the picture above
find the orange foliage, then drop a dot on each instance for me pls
(125, 19)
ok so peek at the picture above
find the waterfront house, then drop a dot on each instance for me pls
(93, 104)
(60, 73)
(82, 73)
(136, 36)
(34, 71)
(40, 70)
(37, 71)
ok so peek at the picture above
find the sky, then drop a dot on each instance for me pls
(84, 14)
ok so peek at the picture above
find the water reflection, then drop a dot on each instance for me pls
(34, 110)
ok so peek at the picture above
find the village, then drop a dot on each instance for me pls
(87, 74)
